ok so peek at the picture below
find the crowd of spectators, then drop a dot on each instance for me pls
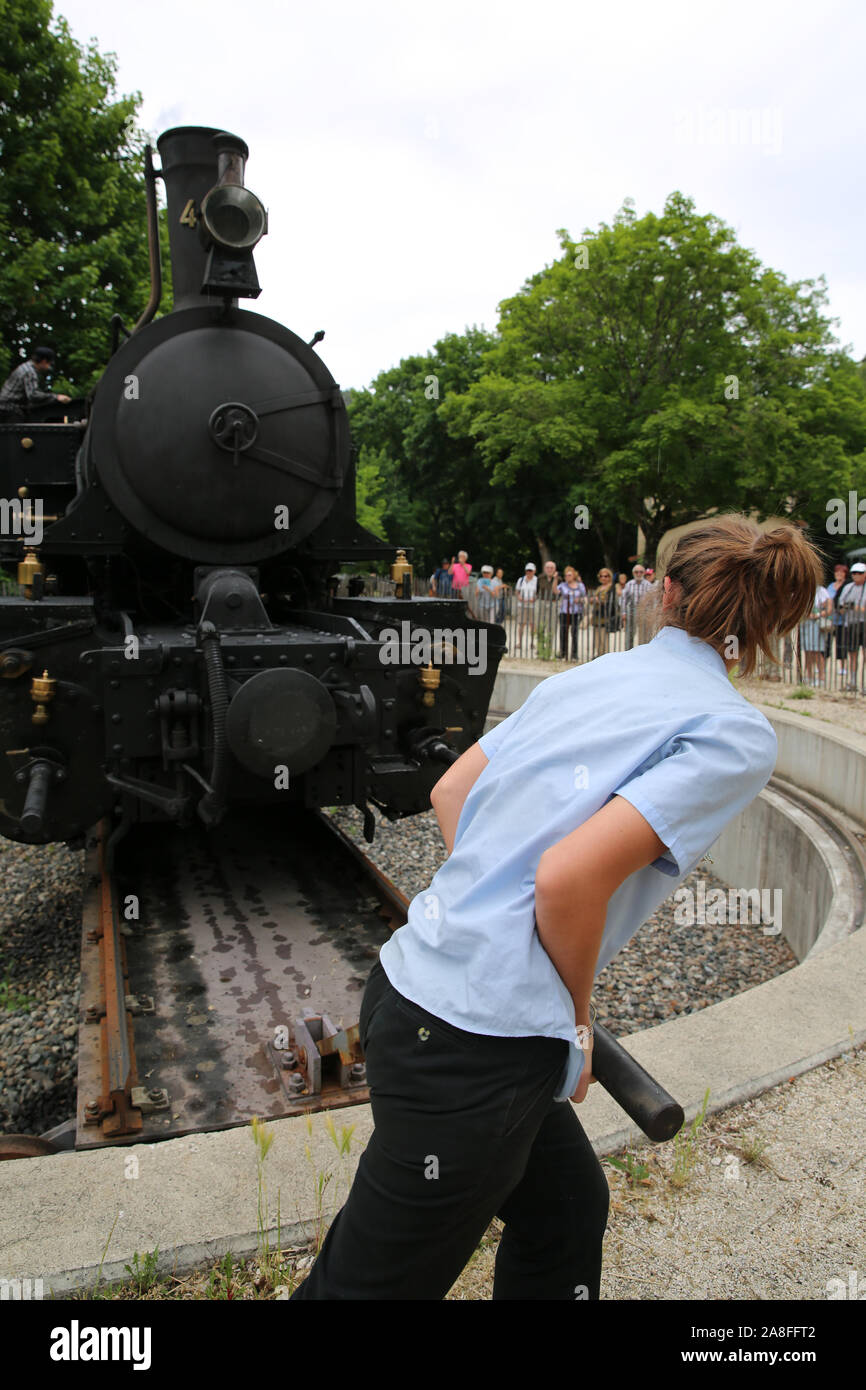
(838, 618)
(608, 607)
(617, 603)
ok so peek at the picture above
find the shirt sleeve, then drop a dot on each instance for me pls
(704, 778)
(35, 395)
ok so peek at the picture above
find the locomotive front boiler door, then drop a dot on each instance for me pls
(236, 444)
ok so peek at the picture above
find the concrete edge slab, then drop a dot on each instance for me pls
(181, 1259)
(836, 733)
(837, 924)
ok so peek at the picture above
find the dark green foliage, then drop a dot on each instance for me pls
(434, 489)
(654, 372)
(73, 246)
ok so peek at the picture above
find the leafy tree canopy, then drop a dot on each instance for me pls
(652, 374)
(73, 244)
(657, 371)
(435, 487)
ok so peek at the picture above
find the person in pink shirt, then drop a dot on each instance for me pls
(460, 572)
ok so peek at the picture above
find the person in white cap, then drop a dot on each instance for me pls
(485, 598)
(852, 606)
(527, 593)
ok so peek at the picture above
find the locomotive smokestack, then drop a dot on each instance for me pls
(214, 222)
(189, 170)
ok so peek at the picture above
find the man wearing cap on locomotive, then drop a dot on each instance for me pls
(852, 634)
(21, 389)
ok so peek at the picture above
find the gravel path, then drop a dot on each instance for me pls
(846, 710)
(40, 941)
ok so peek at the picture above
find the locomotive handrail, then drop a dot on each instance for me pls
(150, 177)
(48, 635)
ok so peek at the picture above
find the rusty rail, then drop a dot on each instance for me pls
(105, 1004)
(394, 902)
(211, 1051)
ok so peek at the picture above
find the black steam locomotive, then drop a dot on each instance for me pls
(179, 643)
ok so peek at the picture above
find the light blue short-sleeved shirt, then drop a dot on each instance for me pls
(660, 725)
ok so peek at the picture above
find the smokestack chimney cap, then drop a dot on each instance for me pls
(226, 143)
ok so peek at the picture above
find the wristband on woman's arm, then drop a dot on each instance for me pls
(585, 1033)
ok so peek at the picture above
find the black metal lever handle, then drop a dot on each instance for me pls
(638, 1093)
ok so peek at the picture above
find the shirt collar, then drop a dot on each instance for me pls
(680, 643)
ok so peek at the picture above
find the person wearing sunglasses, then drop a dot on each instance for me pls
(604, 611)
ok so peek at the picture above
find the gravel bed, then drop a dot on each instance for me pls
(666, 970)
(40, 943)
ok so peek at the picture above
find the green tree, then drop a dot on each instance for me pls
(656, 372)
(436, 483)
(371, 502)
(73, 244)
(808, 444)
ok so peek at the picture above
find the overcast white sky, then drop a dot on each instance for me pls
(417, 158)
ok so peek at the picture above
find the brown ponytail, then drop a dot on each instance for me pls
(740, 582)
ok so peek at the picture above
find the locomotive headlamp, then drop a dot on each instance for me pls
(233, 217)
(232, 222)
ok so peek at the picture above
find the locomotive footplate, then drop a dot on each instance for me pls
(222, 976)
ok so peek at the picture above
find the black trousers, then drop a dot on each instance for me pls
(568, 622)
(466, 1129)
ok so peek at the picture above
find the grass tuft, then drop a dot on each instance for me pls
(685, 1146)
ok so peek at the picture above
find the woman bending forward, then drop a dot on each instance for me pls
(567, 825)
